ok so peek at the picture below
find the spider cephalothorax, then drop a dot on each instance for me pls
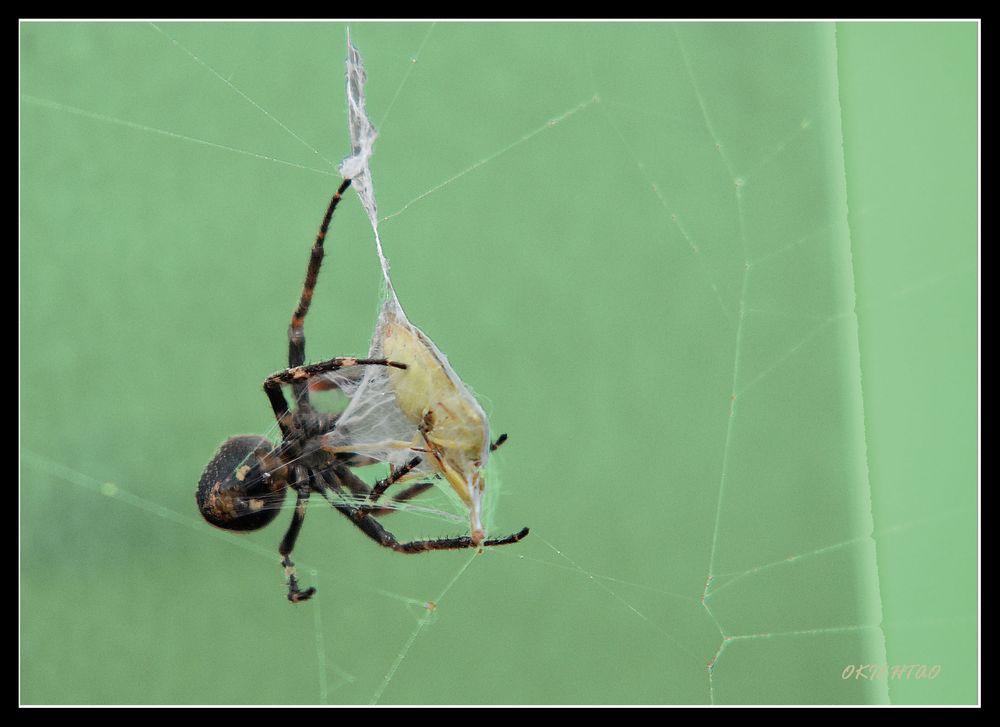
(244, 485)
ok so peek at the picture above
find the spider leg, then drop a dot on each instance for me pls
(361, 490)
(296, 375)
(374, 530)
(358, 487)
(280, 407)
(295, 594)
(302, 374)
(396, 475)
(405, 496)
(296, 335)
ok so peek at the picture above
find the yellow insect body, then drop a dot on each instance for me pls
(452, 428)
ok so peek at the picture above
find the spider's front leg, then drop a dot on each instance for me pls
(296, 375)
(296, 333)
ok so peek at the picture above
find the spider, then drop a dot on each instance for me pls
(245, 483)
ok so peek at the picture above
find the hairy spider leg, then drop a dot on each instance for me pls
(295, 594)
(374, 529)
(361, 492)
(302, 374)
(296, 334)
(395, 475)
(371, 495)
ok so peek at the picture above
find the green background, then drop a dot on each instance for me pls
(718, 282)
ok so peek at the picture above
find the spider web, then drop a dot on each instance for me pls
(653, 293)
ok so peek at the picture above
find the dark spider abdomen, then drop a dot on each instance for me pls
(235, 492)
